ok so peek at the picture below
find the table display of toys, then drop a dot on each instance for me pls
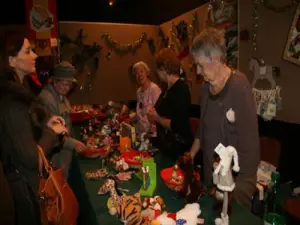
(123, 155)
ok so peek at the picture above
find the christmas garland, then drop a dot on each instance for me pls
(123, 49)
(83, 51)
(278, 9)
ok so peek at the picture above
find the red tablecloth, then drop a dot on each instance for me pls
(81, 117)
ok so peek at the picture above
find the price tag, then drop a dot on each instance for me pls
(220, 149)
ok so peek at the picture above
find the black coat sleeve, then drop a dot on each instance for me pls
(19, 129)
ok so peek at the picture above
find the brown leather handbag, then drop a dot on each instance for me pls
(58, 203)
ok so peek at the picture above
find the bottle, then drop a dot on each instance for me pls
(274, 213)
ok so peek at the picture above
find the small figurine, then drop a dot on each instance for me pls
(106, 130)
(115, 118)
(152, 207)
(121, 165)
(90, 126)
(192, 188)
(116, 156)
(144, 142)
(146, 177)
(108, 140)
(223, 179)
(174, 173)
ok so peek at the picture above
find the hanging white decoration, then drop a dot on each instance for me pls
(268, 102)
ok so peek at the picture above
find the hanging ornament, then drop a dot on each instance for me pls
(151, 46)
(108, 56)
(163, 39)
(254, 24)
(83, 52)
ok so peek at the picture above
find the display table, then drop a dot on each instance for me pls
(94, 210)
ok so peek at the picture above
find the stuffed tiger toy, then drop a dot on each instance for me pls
(129, 211)
(128, 207)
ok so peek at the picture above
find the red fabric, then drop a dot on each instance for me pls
(35, 79)
(125, 117)
(157, 213)
(129, 157)
(172, 216)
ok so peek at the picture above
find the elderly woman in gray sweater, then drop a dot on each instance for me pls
(228, 113)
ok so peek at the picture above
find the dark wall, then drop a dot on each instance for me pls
(152, 12)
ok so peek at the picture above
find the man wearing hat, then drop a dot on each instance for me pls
(55, 101)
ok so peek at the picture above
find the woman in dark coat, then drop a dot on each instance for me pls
(171, 112)
(23, 125)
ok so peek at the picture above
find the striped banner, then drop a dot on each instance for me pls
(41, 19)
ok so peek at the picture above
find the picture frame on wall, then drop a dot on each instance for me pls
(292, 49)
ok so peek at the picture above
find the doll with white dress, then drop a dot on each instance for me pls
(223, 178)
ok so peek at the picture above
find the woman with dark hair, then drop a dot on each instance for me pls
(24, 124)
(171, 112)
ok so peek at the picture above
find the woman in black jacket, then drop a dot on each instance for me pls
(171, 112)
(24, 124)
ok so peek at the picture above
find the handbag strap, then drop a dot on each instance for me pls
(42, 161)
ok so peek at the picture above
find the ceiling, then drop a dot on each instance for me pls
(153, 12)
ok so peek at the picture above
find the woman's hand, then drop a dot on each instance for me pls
(152, 115)
(57, 124)
(79, 146)
(56, 120)
(59, 129)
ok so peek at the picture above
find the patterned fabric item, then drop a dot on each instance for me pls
(145, 101)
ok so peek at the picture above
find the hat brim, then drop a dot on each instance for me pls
(72, 79)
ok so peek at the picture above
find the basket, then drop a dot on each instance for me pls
(94, 153)
(131, 158)
(166, 175)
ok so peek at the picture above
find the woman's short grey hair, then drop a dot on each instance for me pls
(141, 64)
(209, 43)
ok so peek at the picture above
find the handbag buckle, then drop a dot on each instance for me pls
(42, 196)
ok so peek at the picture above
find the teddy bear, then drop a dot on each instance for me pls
(186, 216)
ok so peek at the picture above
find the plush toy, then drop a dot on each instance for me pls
(192, 189)
(144, 142)
(127, 208)
(121, 165)
(223, 179)
(186, 216)
(106, 130)
(156, 203)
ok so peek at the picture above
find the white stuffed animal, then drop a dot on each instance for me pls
(186, 216)
(144, 142)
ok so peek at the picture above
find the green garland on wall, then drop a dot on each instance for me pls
(83, 52)
(123, 49)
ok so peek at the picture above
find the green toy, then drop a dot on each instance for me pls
(148, 177)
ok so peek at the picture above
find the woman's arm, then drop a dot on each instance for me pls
(19, 129)
(155, 93)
